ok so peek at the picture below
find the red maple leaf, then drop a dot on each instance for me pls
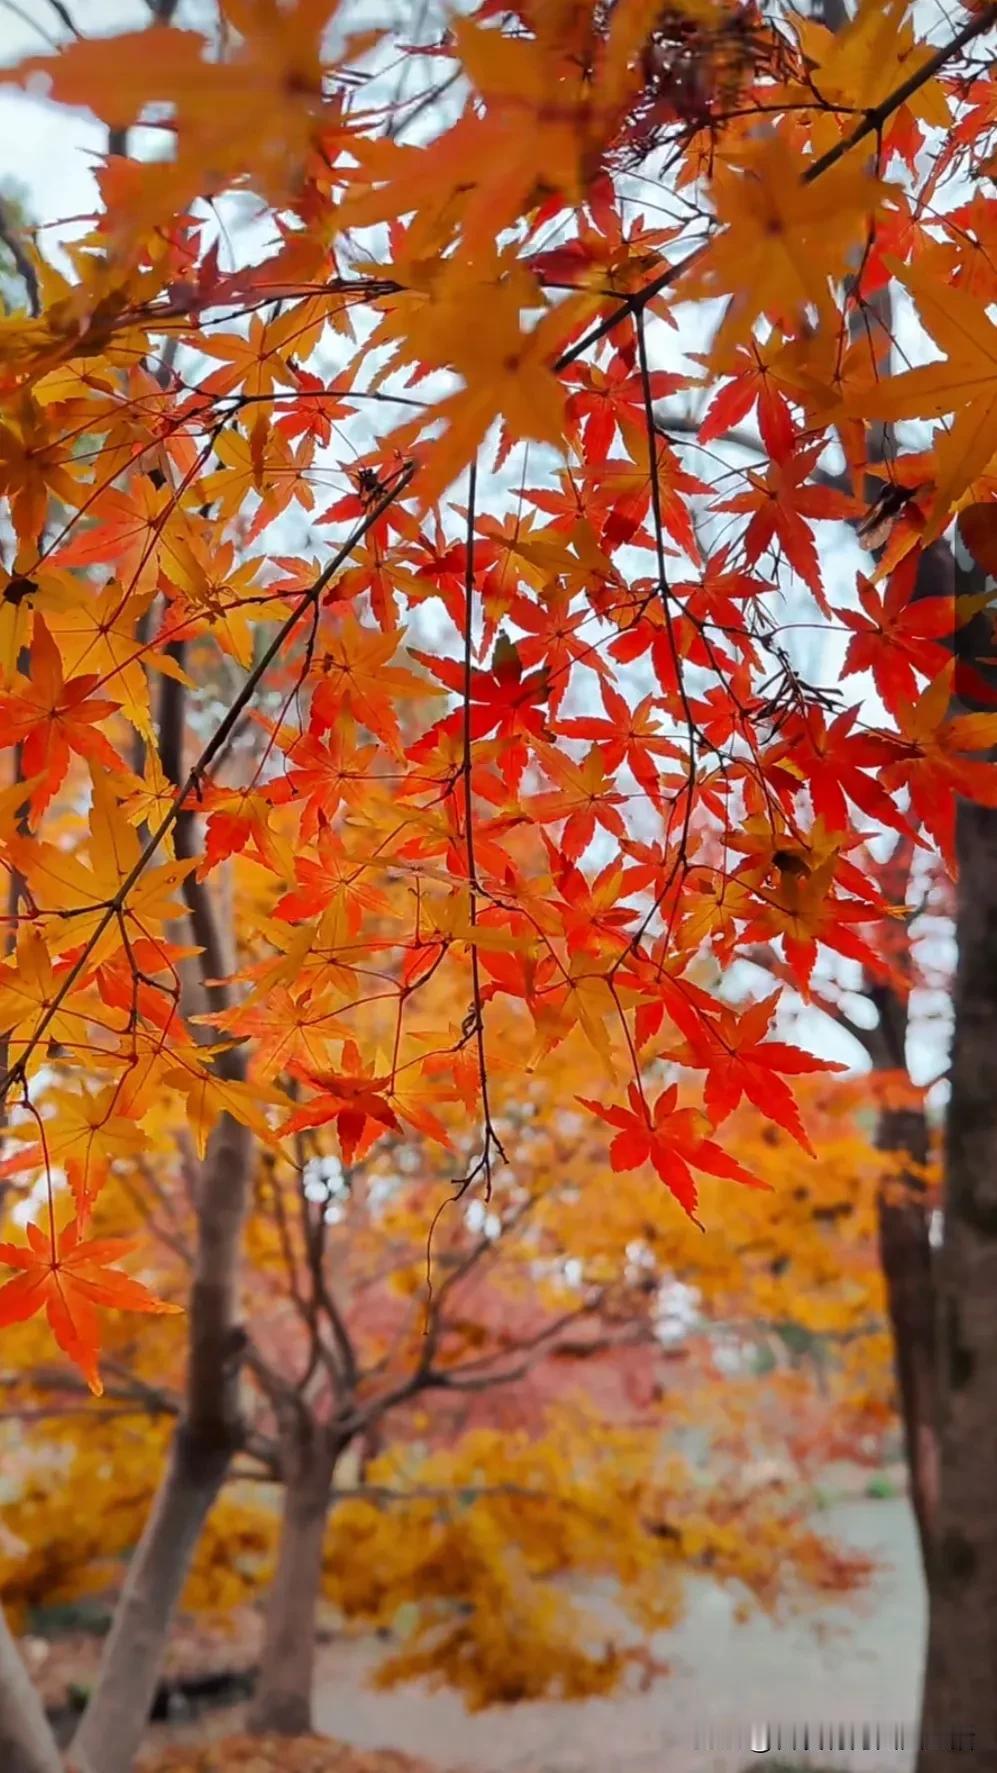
(731, 1047)
(780, 500)
(557, 637)
(611, 399)
(895, 635)
(627, 734)
(834, 760)
(504, 700)
(752, 382)
(673, 1139)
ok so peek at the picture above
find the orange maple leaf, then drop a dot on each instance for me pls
(962, 382)
(70, 1277)
(933, 761)
(354, 677)
(355, 1098)
(52, 716)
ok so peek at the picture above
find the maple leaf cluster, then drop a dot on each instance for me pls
(425, 525)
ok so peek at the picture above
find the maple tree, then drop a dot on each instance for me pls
(462, 318)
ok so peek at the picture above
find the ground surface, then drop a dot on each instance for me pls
(862, 1667)
(274, 1754)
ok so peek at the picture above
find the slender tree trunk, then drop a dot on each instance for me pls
(283, 1701)
(907, 1262)
(207, 1436)
(27, 1744)
(905, 1251)
(210, 1429)
(906, 1256)
(960, 1685)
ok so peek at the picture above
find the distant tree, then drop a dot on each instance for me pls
(528, 1411)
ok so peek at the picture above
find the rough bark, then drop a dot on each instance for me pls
(207, 1436)
(907, 1262)
(905, 1253)
(960, 1684)
(283, 1701)
(27, 1745)
(906, 1256)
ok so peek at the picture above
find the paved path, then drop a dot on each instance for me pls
(861, 1665)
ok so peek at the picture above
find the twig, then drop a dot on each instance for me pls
(62, 12)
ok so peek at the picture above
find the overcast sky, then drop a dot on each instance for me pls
(47, 150)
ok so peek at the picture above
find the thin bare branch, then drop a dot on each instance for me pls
(10, 236)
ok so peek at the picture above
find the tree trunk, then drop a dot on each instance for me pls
(283, 1701)
(26, 1742)
(960, 1684)
(207, 1436)
(908, 1269)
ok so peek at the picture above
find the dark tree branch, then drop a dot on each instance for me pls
(9, 235)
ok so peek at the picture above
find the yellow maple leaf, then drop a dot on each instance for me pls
(73, 898)
(504, 363)
(863, 63)
(95, 632)
(255, 108)
(781, 240)
(963, 383)
(85, 1133)
(209, 1096)
(28, 984)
